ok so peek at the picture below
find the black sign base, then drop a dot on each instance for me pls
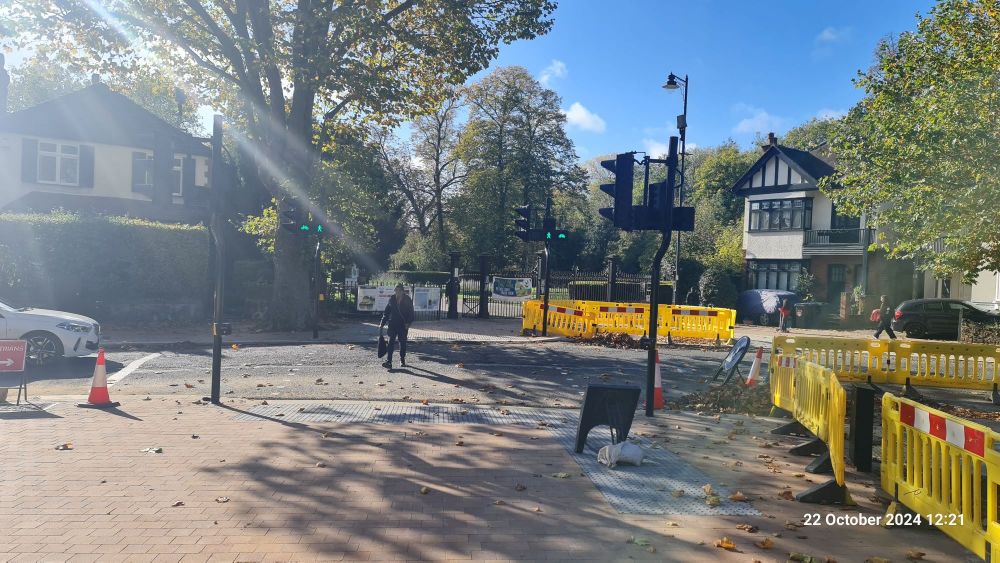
(812, 447)
(821, 464)
(793, 428)
(611, 405)
(826, 493)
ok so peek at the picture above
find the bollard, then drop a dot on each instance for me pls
(861, 412)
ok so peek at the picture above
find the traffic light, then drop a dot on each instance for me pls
(659, 197)
(294, 220)
(523, 224)
(556, 234)
(620, 190)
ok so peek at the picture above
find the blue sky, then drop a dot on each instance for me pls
(753, 66)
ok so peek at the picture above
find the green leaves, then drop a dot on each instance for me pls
(921, 152)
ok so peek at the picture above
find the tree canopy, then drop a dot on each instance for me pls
(920, 153)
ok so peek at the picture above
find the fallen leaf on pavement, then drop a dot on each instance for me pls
(320, 464)
(747, 528)
(504, 411)
(178, 503)
(520, 487)
(914, 555)
(803, 558)
(424, 490)
(712, 501)
(787, 495)
(222, 499)
(155, 450)
(738, 497)
(264, 403)
(499, 502)
(424, 402)
(765, 543)
(189, 386)
(678, 493)
(496, 433)
(460, 365)
(236, 346)
(327, 434)
(148, 399)
(672, 524)
(561, 475)
(725, 543)
(537, 509)
(64, 447)
(708, 489)
(460, 443)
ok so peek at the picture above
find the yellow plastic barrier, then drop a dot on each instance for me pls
(850, 358)
(697, 322)
(945, 470)
(943, 364)
(919, 362)
(563, 320)
(782, 380)
(628, 318)
(821, 406)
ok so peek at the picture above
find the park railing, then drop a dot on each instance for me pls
(945, 470)
(674, 321)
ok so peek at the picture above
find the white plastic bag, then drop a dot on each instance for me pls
(625, 453)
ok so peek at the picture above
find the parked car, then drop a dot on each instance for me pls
(920, 318)
(761, 305)
(50, 334)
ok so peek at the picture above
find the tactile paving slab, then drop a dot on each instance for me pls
(647, 489)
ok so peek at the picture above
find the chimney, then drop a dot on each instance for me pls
(4, 85)
(95, 79)
(772, 140)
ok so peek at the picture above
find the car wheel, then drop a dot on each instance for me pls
(43, 347)
(763, 319)
(915, 330)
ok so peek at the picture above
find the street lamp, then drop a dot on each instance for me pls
(674, 82)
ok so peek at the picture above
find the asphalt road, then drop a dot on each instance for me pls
(533, 374)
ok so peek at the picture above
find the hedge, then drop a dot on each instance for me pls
(980, 333)
(66, 261)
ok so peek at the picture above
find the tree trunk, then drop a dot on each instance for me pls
(291, 302)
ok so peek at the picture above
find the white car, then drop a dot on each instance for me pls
(50, 334)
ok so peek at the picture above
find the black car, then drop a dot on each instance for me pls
(921, 318)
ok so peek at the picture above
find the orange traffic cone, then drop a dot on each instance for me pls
(658, 386)
(99, 398)
(755, 368)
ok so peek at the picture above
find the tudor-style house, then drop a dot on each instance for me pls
(96, 151)
(790, 227)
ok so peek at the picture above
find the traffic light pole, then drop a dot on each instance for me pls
(220, 258)
(545, 303)
(315, 289)
(654, 296)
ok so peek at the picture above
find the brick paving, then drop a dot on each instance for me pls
(322, 491)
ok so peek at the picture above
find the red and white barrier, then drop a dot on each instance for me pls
(565, 311)
(639, 310)
(695, 313)
(971, 440)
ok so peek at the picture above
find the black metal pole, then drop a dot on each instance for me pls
(545, 303)
(612, 278)
(316, 289)
(654, 297)
(220, 263)
(680, 195)
(484, 281)
(453, 287)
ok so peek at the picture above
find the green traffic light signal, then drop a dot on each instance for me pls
(548, 235)
(304, 228)
(562, 235)
(319, 229)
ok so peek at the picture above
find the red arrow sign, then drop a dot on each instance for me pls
(12, 354)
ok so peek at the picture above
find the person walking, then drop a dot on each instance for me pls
(783, 313)
(884, 319)
(397, 316)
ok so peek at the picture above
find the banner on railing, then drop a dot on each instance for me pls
(512, 289)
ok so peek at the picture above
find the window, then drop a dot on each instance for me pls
(177, 177)
(775, 274)
(58, 164)
(781, 215)
(934, 307)
(142, 172)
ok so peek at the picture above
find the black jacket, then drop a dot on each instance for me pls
(398, 317)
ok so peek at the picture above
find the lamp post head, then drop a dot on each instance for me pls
(671, 82)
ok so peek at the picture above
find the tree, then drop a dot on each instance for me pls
(287, 68)
(515, 151)
(38, 80)
(811, 134)
(717, 289)
(920, 153)
(714, 174)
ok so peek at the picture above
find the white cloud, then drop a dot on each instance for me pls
(655, 149)
(757, 120)
(581, 117)
(555, 70)
(828, 113)
(834, 35)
